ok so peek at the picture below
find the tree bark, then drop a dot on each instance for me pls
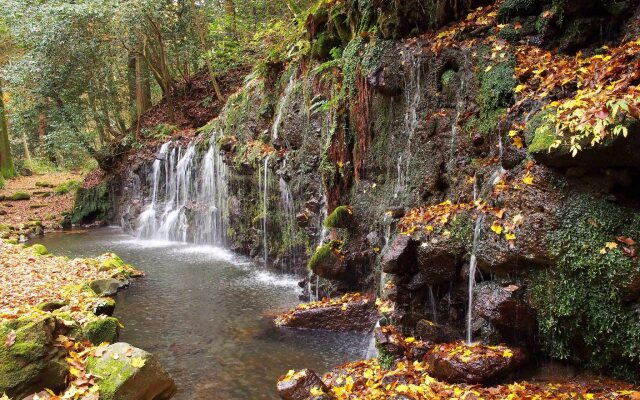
(7, 170)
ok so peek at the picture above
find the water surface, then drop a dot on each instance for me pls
(207, 314)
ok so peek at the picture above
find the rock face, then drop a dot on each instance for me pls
(435, 333)
(133, 374)
(400, 256)
(360, 315)
(474, 369)
(32, 362)
(503, 306)
(438, 263)
(299, 385)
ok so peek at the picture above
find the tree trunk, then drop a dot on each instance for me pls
(230, 11)
(7, 169)
(143, 85)
(201, 31)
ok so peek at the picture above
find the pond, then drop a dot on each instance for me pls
(207, 314)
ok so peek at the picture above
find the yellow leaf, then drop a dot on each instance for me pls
(496, 228)
(316, 391)
(488, 68)
(137, 362)
(402, 388)
(528, 179)
(611, 245)
(520, 88)
(510, 236)
(603, 251)
(410, 340)
(507, 353)
(74, 371)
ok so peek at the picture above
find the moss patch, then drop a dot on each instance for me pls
(341, 218)
(40, 249)
(582, 313)
(324, 255)
(102, 330)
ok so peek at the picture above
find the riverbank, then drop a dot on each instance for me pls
(56, 326)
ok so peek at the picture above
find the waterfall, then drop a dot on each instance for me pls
(473, 263)
(434, 308)
(413, 97)
(282, 105)
(263, 183)
(193, 205)
(372, 350)
(287, 206)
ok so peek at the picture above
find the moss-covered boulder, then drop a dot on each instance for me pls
(92, 204)
(326, 263)
(340, 218)
(29, 360)
(105, 306)
(105, 287)
(124, 372)
(39, 249)
(102, 330)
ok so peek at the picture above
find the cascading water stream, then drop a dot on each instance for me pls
(287, 205)
(473, 263)
(264, 190)
(193, 205)
(282, 105)
(413, 97)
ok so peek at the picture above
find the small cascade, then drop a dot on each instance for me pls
(461, 108)
(188, 197)
(473, 263)
(282, 105)
(434, 307)
(413, 97)
(287, 206)
(372, 350)
(264, 176)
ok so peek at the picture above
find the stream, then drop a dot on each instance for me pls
(207, 315)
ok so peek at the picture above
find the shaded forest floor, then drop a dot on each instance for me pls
(25, 200)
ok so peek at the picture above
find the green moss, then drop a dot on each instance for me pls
(447, 77)
(111, 263)
(92, 204)
(341, 217)
(324, 255)
(102, 330)
(44, 185)
(39, 249)
(112, 374)
(66, 187)
(18, 196)
(543, 139)
(582, 314)
(496, 93)
(461, 229)
(519, 8)
(387, 361)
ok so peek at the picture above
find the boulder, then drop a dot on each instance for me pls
(30, 361)
(326, 264)
(473, 364)
(102, 330)
(436, 333)
(400, 255)
(124, 372)
(504, 306)
(438, 262)
(104, 306)
(356, 315)
(105, 287)
(299, 385)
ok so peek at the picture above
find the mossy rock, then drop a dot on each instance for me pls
(102, 330)
(17, 196)
(124, 372)
(44, 185)
(39, 249)
(112, 263)
(519, 8)
(326, 263)
(341, 218)
(33, 362)
(51, 305)
(105, 306)
(92, 204)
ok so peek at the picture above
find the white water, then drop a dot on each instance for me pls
(413, 97)
(281, 107)
(288, 209)
(263, 185)
(473, 263)
(193, 205)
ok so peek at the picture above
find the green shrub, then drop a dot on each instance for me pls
(341, 217)
(582, 311)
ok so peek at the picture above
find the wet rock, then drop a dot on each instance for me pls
(417, 282)
(354, 315)
(373, 239)
(400, 255)
(504, 306)
(480, 366)
(32, 362)
(436, 333)
(119, 379)
(389, 341)
(386, 81)
(105, 306)
(105, 287)
(326, 264)
(106, 329)
(298, 386)
(511, 157)
(396, 213)
(438, 263)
